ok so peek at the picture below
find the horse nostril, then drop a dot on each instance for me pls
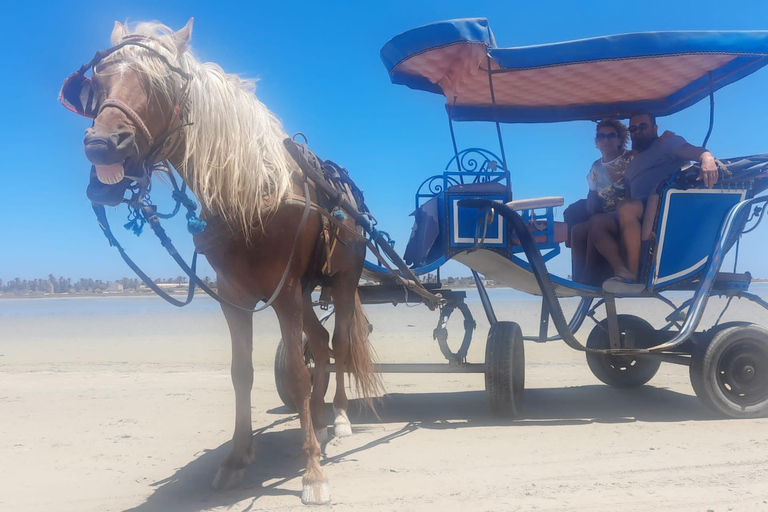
(122, 139)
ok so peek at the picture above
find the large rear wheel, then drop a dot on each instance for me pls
(623, 371)
(730, 373)
(505, 369)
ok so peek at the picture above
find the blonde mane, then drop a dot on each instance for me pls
(234, 159)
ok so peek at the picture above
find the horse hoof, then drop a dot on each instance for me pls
(341, 425)
(322, 435)
(228, 478)
(318, 493)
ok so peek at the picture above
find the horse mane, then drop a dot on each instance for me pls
(234, 159)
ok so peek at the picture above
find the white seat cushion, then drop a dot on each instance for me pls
(536, 202)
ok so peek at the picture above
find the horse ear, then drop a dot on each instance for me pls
(118, 33)
(182, 37)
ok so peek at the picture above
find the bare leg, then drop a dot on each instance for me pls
(593, 268)
(630, 223)
(317, 337)
(579, 248)
(604, 234)
(232, 470)
(289, 308)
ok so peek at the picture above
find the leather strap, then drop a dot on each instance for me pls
(132, 115)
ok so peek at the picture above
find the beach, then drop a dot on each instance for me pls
(126, 403)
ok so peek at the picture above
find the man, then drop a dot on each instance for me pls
(657, 158)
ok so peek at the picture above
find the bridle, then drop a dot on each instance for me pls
(78, 96)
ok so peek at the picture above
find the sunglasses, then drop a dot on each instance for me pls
(606, 136)
(639, 127)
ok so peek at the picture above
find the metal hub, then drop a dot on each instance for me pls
(742, 372)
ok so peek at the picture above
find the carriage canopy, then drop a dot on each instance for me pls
(611, 76)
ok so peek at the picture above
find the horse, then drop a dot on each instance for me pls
(152, 101)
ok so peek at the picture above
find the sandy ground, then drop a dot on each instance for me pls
(103, 412)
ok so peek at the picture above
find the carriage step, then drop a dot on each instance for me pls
(424, 368)
(730, 281)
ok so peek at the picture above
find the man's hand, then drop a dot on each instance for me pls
(708, 172)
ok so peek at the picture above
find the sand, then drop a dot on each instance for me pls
(134, 411)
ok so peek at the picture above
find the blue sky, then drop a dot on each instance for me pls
(320, 72)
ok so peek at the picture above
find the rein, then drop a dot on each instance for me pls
(149, 213)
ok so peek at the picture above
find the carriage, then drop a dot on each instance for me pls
(468, 213)
(270, 232)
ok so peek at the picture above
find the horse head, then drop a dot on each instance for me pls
(135, 97)
(153, 101)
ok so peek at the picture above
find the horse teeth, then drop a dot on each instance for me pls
(110, 174)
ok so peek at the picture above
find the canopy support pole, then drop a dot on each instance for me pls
(711, 111)
(498, 129)
(453, 137)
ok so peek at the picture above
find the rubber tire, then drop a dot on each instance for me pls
(281, 378)
(505, 369)
(704, 371)
(622, 371)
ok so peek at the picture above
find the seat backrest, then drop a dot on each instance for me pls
(686, 232)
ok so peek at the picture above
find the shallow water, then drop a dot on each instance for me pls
(154, 305)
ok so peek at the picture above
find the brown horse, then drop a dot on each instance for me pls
(153, 101)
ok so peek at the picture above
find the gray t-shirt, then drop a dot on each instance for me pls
(653, 165)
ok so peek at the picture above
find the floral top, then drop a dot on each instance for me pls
(607, 179)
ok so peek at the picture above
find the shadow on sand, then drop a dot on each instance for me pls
(279, 451)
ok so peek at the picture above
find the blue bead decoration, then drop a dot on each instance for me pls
(339, 215)
(196, 225)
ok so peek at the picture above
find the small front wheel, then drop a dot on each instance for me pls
(623, 371)
(505, 369)
(282, 378)
(730, 373)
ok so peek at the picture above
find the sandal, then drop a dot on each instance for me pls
(622, 285)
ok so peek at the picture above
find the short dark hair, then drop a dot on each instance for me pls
(621, 130)
(643, 113)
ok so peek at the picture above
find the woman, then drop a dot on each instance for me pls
(606, 189)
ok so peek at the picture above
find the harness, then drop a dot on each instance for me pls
(340, 195)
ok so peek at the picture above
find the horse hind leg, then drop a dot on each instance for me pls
(317, 339)
(353, 354)
(232, 470)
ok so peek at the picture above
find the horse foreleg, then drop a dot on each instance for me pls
(232, 470)
(315, 488)
(317, 337)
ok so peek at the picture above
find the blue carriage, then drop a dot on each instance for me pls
(469, 214)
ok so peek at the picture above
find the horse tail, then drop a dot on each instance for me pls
(362, 357)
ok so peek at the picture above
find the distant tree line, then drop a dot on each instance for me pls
(83, 285)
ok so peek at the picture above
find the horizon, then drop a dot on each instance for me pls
(331, 85)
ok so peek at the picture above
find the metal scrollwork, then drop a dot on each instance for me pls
(435, 185)
(474, 165)
(475, 160)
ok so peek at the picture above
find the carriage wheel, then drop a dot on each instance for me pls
(505, 369)
(730, 373)
(622, 371)
(281, 375)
